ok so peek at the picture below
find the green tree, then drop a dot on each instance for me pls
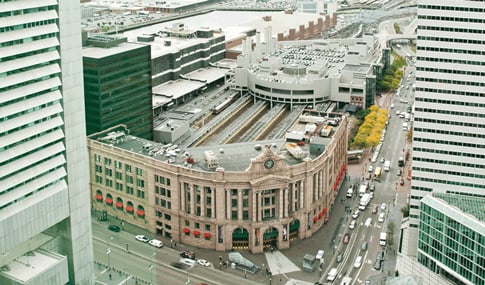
(405, 210)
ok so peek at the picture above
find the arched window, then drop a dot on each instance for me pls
(140, 212)
(109, 200)
(119, 203)
(129, 207)
(99, 196)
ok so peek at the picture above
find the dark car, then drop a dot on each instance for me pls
(177, 265)
(372, 188)
(380, 255)
(378, 264)
(113, 228)
(188, 254)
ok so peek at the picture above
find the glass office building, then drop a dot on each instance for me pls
(452, 237)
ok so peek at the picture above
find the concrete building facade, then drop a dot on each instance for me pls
(310, 72)
(45, 223)
(239, 196)
(448, 138)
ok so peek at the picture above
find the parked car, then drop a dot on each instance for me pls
(319, 254)
(364, 246)
(203, 262)
(142, 238)
(399, 172)
(383, 206)
(188, 254)
(380, 255)
(156, 243)
(114, 228)
(372, 188)
(381, 217)
(375, 209)
(378, 264)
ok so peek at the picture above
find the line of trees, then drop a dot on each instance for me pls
(394, 74)
(370, 131)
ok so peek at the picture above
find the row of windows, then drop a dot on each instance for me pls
(449, 112)
(451, 29)
(450, 60)
(452, 71)
(162, 180)
(118, 186)
(448, 152)
(448, 172)
(457, 143)
(26, 11)
(450, 102)
(457, 163)
(448, 132)
(451, 50)
(451, 40)
(453, 8)
(453, 123)
(448, 182)
(452, 19)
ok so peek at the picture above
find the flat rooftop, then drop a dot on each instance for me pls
(25, 267)
(473, 206)
(99, 52)
(231, 157)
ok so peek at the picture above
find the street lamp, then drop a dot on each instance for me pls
(108, 252)
(151, 266)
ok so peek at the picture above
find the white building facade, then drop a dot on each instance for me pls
(45, 224)
(449, 119)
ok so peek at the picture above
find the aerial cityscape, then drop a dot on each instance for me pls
(220, 142)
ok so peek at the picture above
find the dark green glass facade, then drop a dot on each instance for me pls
(453, 244)
(118, 90)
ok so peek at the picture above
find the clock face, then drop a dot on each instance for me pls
(269, 163)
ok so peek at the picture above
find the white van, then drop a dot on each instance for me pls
(332, 274)
(404, 126)
(156, 243)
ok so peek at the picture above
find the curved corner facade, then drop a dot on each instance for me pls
(270, 202)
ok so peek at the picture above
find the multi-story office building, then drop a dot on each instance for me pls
(227, 197)
(45, 229)
(117, 85)
(452, 237)
(448, 137)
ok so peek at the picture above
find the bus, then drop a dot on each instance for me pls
(377, 173)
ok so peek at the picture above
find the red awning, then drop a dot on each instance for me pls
(109, 201)
(119, 205)
(324, 210)
(207, 235)
(315, 219)
(129, 209)
(186, 230)
(140, 213)
(320, 214)
(345, 166)
(335, 187)
(99, 197)
(196, 233)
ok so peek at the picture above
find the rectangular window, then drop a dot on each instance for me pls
(107, 161)
(139, 171)
(128, 168)
(97, 157)
(118, 164)
(233, 215)
(207, 227)
(140, 183)
(129, 190)
(187, 223)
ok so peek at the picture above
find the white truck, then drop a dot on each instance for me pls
(383, 239)
(387, 165)
(362, 189)
(364, 201)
